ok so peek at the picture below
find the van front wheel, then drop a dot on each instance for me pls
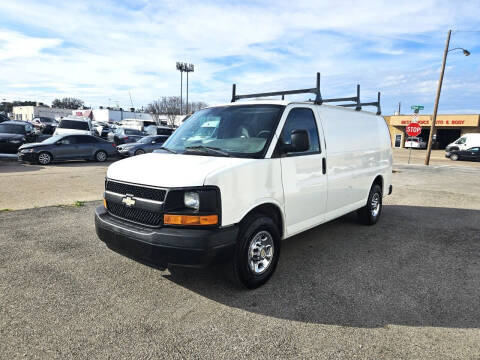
(257, 251)
(371, 212)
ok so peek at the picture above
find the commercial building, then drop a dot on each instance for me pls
(448, 127)
(112, 115)
(27, 113)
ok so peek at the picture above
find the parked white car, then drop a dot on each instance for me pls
(270, 170)
(77, 126)
(465, 142)
(415, 143)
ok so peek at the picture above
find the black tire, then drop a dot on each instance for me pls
(139, 152)
(44, 158)
(454, 157)
(371, 212)
(255, 227)
(101, 156)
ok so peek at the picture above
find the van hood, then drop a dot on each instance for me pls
(170, 170)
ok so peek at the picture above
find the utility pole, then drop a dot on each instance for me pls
(437, 99)
(399, 107)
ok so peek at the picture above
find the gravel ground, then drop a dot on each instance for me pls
(407, 288)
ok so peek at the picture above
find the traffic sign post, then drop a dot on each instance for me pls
(417, 107)
(413, 129)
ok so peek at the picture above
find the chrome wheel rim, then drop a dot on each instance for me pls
(260, 252)
(140, 152)
(375, 204)
(101, 156)
(44, 158)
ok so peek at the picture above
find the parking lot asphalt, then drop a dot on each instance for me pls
(407, 288)
(26, 186)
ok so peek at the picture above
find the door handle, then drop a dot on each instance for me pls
(324, 166)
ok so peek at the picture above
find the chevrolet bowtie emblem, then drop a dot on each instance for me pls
(128, 201)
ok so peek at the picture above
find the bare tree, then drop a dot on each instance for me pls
(154, 109)
(195, 106)
(170, 107)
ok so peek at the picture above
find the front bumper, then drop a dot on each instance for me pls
(165, 246)
(28, 157)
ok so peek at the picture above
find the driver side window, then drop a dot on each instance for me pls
(67, 140)
(301, 119)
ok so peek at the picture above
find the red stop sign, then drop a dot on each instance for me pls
(413, 129)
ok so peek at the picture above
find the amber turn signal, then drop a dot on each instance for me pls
(104, 203)
(172, 219)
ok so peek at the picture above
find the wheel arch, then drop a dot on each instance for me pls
(379, 181)
(269, 209)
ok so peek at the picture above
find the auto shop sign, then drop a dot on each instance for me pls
(413, 129)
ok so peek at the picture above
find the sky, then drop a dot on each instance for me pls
(105, 51)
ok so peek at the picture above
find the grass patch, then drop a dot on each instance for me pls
(79, 203)
(5, 209)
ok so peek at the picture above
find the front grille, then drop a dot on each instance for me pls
(136, 191)
(136, 215)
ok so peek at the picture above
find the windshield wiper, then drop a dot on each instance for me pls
(202, 148)
(167, 149)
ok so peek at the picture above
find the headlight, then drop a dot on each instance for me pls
(192, 200)
(27, 150)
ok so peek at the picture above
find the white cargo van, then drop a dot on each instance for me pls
(75, 125)
(465, 142)
(271, 169)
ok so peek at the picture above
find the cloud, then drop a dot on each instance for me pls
(104, 50)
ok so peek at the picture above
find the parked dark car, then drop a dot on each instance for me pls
(67, 147)
(45, 124)
(3, 118)
(123, 136)
(101, 129)
(472, 154)
(164, 130)
(145, 145)
(13, 134)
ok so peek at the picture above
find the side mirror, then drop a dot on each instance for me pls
(298, 141)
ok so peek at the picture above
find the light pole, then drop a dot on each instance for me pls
(437, 98)
(188, 68)
(180, 68)
(183, 67)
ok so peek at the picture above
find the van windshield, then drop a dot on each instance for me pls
(238, 131)
(73, 124)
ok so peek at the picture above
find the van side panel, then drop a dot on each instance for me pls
(246, 186)
(358, 149)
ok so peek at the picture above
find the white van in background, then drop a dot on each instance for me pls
(75, 125)
(233, 188)
(465, 142)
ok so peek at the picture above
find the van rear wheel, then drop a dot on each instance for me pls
(371, 212)
(257, 251)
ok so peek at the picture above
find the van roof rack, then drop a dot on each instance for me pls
(355, 100)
